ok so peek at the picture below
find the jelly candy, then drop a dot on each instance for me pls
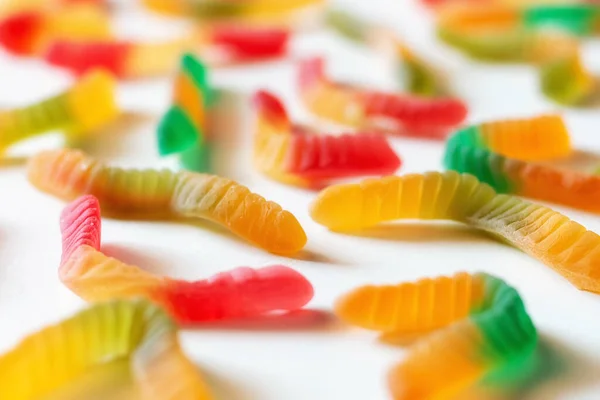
(68, 174)
(241, 292)
(184, 127)
(29, 32)
(543, 233)
(127, 59)
(86, 106)
(414, 116)
(515, 175)
(59, 355)
(294, 154)
(484, 332)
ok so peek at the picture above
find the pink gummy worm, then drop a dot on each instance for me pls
(311, 72)
(241, 292)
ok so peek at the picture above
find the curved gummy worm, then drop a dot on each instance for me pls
(516, 175)
(352, 106)
(539, 231)
(241, 292)
(232, 9)
(292, 154)
(86, 106)
(183, 130)
(59, 355)
(127, 59)
(68, 174)
(484, 331)
(579, 19)
(30, 31)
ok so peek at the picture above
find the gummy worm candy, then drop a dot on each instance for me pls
(421, 78)
(183, 130)
(539, 231)
(294, 154)
(232, 9)
(8, 7)
(241, 292)
(29, 32)
(127, 59)
(497, 167)
(579, 19)
(103, 334)
(563, 76)
(86, 106)
(484, 332)
(356, 107)
(68, 174)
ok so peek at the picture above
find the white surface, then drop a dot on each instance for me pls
(325, 360)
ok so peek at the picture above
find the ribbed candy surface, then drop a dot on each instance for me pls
(61, 354)
(484, 331)
(150, 193)
(414, 307)
(547, 235)
(238, 293)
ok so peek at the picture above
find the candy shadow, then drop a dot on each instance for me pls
(305, 320)
(423, 232)
(313, 257)
(146, 260)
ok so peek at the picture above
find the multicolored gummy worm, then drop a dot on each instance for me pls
(476, 329)
(539, 231)
(233, 9)
(58, 356)
(497, 32)
(297, 155)
(128, 59)
(241, 292)
(31, 31)
(183, 130)
(419, 77)
(353, 106)
(85, 107)
(150, 193)
(505, 155)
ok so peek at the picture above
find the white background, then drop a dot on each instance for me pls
(309, 356)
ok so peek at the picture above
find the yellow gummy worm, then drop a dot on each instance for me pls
(69, 174)
(543, 233)
(103, 334)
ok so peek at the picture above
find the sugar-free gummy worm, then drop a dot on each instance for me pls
(539, 231)
(293, 154)
(151, 193)
(102, 335)
(542, 138)
(29, 32)
(241, 292)
(413, 116)
(86, 106)
(183, 130)
(483, 331)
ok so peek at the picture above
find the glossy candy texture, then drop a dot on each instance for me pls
(539, 231)
(521, 177)
(579, 19)
(151, 193)
(413, 116)
(29, 32)
(484, 332)
(127, 59)
(233, 9)
(294, 154)
(86, 106)
(100, 337)
(183, 129)
(241, 292)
